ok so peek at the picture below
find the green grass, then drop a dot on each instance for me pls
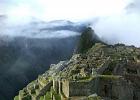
(16, 98)
(95, 98)
(84, 79)
(57, 97)
(41, 98)
(44, 81)
(109, 77)
(48, 96)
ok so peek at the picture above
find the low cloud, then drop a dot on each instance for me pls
(121, 28)
(115, 21)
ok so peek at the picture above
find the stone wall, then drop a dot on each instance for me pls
(81, 88)
(119, 89)
(78, 88)
(65, 87)
(43, 91)
(136, 94)
(56, 85)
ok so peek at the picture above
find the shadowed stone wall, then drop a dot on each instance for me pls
(119, 89)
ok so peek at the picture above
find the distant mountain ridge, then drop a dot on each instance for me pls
(25, 54)
(40, 29)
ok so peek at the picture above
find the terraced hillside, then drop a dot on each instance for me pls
(104, 72)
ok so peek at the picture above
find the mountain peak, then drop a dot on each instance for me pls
(87, 39)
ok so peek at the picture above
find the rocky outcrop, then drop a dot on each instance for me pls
(87, 39)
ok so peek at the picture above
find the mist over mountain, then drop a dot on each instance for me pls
(36, 33)
(115, 21)
(41, 29)
(27, 51)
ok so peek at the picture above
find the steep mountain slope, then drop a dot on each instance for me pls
(103, 72)
(27, 51)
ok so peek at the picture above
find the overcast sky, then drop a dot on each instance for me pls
(62, 9)
(117, 20)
